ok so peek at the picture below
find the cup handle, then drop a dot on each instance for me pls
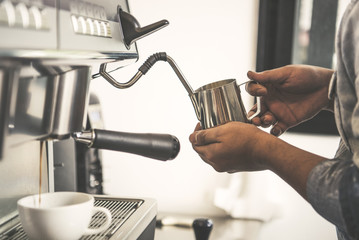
(104, 226)
(258, 108)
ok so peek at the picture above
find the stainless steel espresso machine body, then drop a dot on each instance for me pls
(49, 52)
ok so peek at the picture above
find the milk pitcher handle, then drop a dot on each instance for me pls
(258, 100)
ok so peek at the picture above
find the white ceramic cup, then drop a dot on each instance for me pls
(60, 215)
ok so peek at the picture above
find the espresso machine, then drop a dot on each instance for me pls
(49, 52)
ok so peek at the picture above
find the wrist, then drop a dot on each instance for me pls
(329, 79)
(263, 147)
(290, 163)
(331, 92)
(330, 106)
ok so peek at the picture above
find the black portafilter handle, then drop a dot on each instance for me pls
(152, 145)
(202, 228)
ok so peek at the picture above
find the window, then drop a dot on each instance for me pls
(300, 32)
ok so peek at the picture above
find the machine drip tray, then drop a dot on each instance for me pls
(120, 210)
(131, 219)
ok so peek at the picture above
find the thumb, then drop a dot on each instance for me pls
(270, 76)
(203, 137)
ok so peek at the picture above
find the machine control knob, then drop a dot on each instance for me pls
(75, 23)
(202, 228)
(97, 28)
(22, 15)
(90, 26)
(82, 26)
(7, 13)
(3, 15)
(104, 30)
(45, 19)
(35, 18)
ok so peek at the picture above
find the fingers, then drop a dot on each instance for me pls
(271, 76)
(193, 136)
(198, 127)
(268, 119)
(204, 137)
(200, 140)
(255, 89)
(254, 110)
(265, 118)
(278, 129)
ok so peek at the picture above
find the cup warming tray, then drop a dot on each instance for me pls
(131, 219)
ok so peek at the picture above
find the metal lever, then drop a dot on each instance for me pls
(131, 29)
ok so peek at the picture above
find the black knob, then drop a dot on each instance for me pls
(202, 228)
(131, 29)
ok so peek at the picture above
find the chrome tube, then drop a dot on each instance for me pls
(180, 75)
(115, 83)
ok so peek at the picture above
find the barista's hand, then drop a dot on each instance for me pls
(235, 147)
(290, 95)
(229, 147)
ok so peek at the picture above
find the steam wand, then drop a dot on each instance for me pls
(162, 56)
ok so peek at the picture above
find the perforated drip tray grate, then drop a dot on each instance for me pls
(121, 210)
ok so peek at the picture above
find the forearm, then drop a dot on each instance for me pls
(290, 163)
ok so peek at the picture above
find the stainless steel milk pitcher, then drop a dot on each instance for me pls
(215, 103)
(218, 103)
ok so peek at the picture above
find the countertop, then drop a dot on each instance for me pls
(224, 228)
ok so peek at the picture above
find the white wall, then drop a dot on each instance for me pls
(210, 40)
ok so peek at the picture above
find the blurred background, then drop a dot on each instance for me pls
(214, 40)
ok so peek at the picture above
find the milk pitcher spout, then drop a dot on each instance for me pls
(194, 101)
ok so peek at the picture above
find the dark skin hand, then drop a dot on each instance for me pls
(237, 147)
(289, 95)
